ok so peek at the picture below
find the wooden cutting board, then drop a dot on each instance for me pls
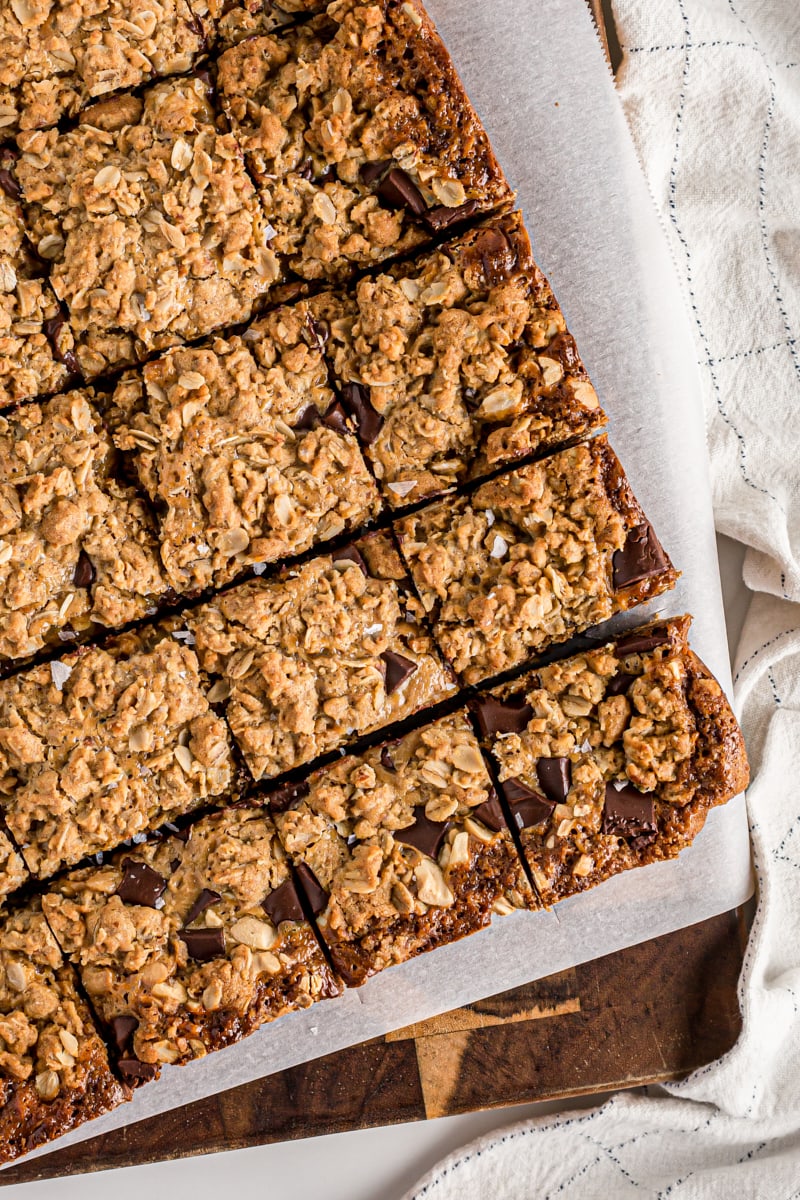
(644, 1015)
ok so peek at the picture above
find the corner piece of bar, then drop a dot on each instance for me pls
(612, 759)
(461, 361)
(402, 848)
(188, 943)
(532, 558)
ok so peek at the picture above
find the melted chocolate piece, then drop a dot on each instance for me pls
(283, 904)
(309, 418)
(306, 169)
(441, 217)
(203, 901)
(315, 893)
(495, 255)
(84, 575)
(426, 835)
(132, 1068)
(630, 813)
(502, 716)
(204, 944)
(398, 190)
(619, 685)
(387, 762)
(398, 670)
(372, 171)
(490, 813)
(51, 329)
(527, 806)
(9, 184)
(123, 1029)
(336, 418)
(368, 422)
(555, 778)
(640, 558)
(319, 332)
(288, 796)
(140, 884)
(350, 554)
(639, 643)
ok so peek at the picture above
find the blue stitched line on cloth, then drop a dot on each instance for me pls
(701, 46)
(763, 646)
(708, 362)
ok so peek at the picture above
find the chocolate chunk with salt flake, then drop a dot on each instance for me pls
(336, 418)
(398, 190)
(640, 557)
(204, 944)
(84, 574)
(203, 901)
(620, 684)
(502, 716)
(555, 778)
(140, 884)
(490, 813)
(123, 1029)
(639, 643)
(398, 670)
(629, 812)
(315, 893)
(283, 904)
(132, 1068)
(527, 806)
(368, 421)
(350, 554)
(425, 835)
(441, 217)
(288, 796)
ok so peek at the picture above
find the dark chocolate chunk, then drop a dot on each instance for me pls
(398, 670)
(441, 217)
(398, 190)
(204, 944)
(490, 813)
(52, 329)
(140, 884)
(426, 835)
(309, 418)
(494, 255)
(288, 796)
(350, 554)
(372, 171)
(283, 904)
(502, 716)
(619, 685)
(84, 574)
(555, 778)
(315, 893)
(639, 643)
(336, 418)
(640, 557)
(132, 1068)
(527, 806)
(368, 421)
(318, 332)
(326, 176)
(471, 399)
(387, 762)
(630, 813)
(123, 1029)
(203, 901)
(9, 184)
(306, 169)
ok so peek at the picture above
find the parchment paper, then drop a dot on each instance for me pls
(537, 76)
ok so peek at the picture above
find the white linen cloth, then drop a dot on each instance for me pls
(711, 90)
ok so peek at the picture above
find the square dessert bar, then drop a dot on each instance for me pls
(188, 943)
(150, 223)
(329, 650)
(359, 134)
(54, 1071)
(402, 849)
(105, 744)
(532, 558)
(35, 342)
(612, 758)
(457, 363)
(244, 450)
(77, 547)
(56, 57)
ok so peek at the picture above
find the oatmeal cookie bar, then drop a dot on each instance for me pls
(149, 220)
(56, 55)
(244, 449)
(54, 1071)
(331, 649)
(106, 743)
(402, 849)
(532, 558)
(457, 363)
(35, 342)
(77, 547)
(189, 943)
(612, 758)
(361, 138)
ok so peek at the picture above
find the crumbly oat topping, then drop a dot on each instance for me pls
(76, 547)
(231, 443)
(13, 872)
(233, 20)
(464, 358)
(400, 838)
(53, 1067)
(149, 221)
(105, 744)
(616, 757)
(360, 135)
(332, 649)
(530, 558)
(56, 55)
(196, 954)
